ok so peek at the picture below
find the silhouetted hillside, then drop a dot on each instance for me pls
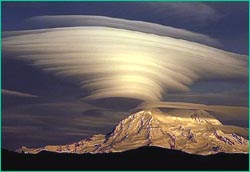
(144, 158)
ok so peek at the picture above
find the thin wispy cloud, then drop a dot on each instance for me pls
(201, 14)
(233, 97)
(17, 94)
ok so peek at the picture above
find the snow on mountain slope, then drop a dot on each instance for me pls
(192, 132)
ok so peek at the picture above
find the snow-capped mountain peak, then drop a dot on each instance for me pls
(191, 131)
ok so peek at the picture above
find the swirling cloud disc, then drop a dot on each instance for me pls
(122, 62)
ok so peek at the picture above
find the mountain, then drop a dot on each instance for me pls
(192, 131)
(143, 158)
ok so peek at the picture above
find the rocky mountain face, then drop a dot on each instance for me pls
(192, 132)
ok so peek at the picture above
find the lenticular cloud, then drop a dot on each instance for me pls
(117, 62)
(103, 21)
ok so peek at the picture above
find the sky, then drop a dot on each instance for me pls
(44, 97)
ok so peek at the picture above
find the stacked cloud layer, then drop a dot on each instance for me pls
(123, 61)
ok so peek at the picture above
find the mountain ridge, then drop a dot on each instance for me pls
(191, 132)
(143, 158)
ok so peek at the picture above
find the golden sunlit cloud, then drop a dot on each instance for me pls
(112, 62)
(103, 21)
